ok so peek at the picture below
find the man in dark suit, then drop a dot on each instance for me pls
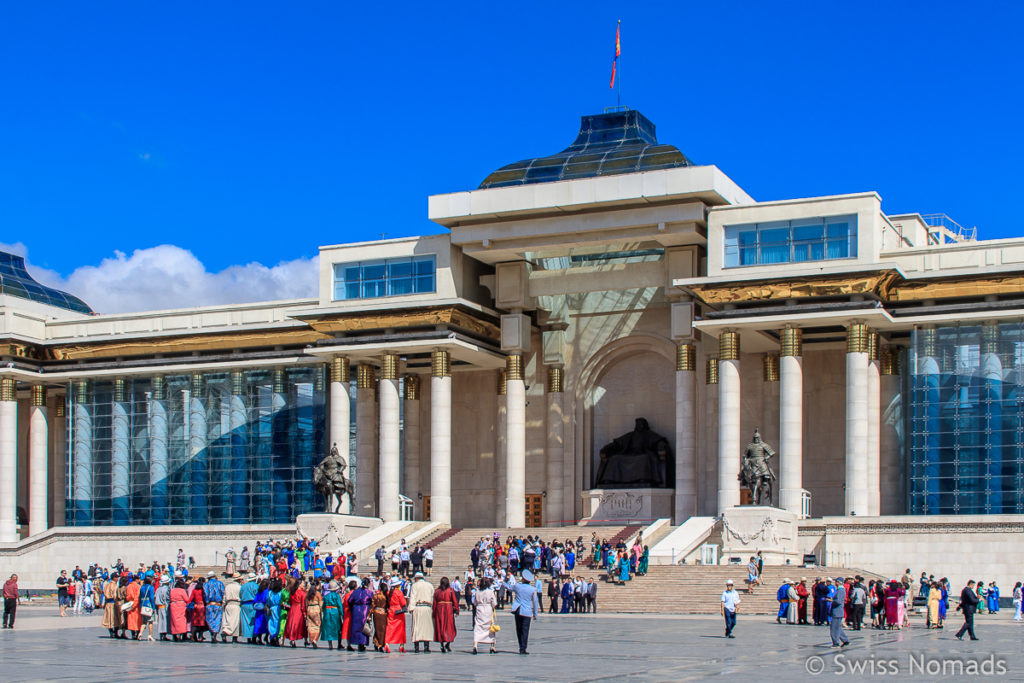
(838, 612)
(968, 605)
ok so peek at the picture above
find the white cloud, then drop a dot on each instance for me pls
(168, 276)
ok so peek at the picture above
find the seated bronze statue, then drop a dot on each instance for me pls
(639, 459)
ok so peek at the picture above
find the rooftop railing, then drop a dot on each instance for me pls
(947, 230)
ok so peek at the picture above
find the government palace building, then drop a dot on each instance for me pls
(591, 337)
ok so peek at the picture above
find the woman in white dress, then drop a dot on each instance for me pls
(485, 605)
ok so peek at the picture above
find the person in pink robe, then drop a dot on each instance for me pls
(295, 628)
(177, 607)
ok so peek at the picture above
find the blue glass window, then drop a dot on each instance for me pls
(813, 239)
(385, 277)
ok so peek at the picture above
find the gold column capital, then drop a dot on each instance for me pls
(238, 382)
(886, 361)
(81, 391)
(197, 383)
(729, 345)
(389, 366)
(59, 408)
(873, 342)
(990, 337)
(791, 341)
(119, 392)
(502, 382)
(278, 380)
(928, 341)
(440, 363)
(556, 376)
(38, 395)
(857, 338)
(341, 369)
(686, 358)
(770, 367)
(158, 388)
(412, 387)
(514, 367)
(712, 370)
(365, 376)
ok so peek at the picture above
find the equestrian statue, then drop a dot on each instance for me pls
(329, 479)
(756, 474)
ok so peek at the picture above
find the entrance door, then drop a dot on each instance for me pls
(534, 510)
(426, 508)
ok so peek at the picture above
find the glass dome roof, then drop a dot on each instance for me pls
(607, 144)
(16, 281)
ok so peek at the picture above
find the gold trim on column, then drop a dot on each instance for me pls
(791, 342)
(872, 345)
(928, 346)
(857, 338)
(119, 392)
(81, 391)
(59, 408)
(412, 387)
(278, 381)
(686, 358)
(319, 375)
(365, 376)
(238, 382)
(514, 367)
(886, 361)
(158, 388)
(502, 382)
(712, 371)
(555, 378)
(389, 366)
(990, 337)
(897, 360)
(770, 367)
(440, 363)
(38, 395)
(197, 384)
(729, 345)
(341, 369)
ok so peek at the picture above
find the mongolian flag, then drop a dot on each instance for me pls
(618, 51)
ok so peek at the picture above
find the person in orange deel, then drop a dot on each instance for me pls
(396, 617)
(133, 617)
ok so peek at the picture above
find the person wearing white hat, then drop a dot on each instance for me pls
(730, 607)
(395, 632)
(421, 598)
(163, 599)
(231, 619)
(525, 608)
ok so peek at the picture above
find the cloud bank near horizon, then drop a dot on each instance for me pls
(168, 276)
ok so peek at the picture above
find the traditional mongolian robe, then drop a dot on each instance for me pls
(791, 607)
(421, 600)
(359, 607)
(445, 609)
(943, 603)
(197, 616)
(133, 619)
(111, 616)
(213, 594)
(314, 614)
(485, 604)
(346, 614)
(396, 618)
(232, 613)
(801, 604)
(283, 612)
(782, 596)
(259, 627)
(379, 614)
(893, 599)
(163, 598)
(934, 598)
(296, 625)
(993, 599)
(247, 609)
(178, 605)
(273, 611)
(331, 629)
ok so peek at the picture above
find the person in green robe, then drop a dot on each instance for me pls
(641, 567)
(331, 628)
(286, 595)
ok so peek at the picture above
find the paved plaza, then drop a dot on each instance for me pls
(563, 648)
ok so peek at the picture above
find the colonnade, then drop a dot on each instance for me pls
(862, 418)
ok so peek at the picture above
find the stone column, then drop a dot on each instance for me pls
(366, 441)
(59, 478)
(857, 419)
(554, 512)
(238, 422)
(791, 419)
(709, 506)
(686, 433)
(340, 421)
(390, 436)
(158, 452)
(515, 443)
(8, 460)
(120, 464)
(728, 420)
(873, 386)
(440, 437)
(197, 444)
(81, 484)
(411, 434)
(501, 451)
(991, 372)
(38, 462)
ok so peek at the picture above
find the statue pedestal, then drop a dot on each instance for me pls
(749, 528)
(626, 506)
(332, 531)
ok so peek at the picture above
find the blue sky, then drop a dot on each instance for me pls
(254, 132)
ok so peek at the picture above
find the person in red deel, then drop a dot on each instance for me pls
(11, 600)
